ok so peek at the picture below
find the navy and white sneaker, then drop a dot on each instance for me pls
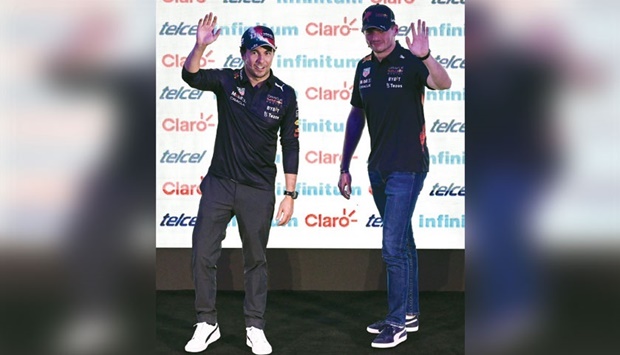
(412, 323)
(389, 337)
(376, 327)
(204, 335)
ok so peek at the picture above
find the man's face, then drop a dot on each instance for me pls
(381, 41)
(258, 63)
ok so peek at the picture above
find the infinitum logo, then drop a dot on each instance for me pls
(445, 95)
(441, 221)
(443, 30)
(293, 222)
(234, 29)
(317, 190)
(322, 126)
(447, 158)
(322, 61)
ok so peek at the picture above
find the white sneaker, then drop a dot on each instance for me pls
(204, 335)
(255, 338)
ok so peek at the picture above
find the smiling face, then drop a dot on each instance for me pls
(258, 63)
(381, 42)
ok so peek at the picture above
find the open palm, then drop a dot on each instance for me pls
(205, 34)
(418, 44)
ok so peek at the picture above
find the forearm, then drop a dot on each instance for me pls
(192, 63)
(353, 133)
(439, 78)
(290, 180)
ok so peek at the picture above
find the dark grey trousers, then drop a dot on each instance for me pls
(221, 200)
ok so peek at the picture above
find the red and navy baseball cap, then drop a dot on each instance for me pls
(258, 36)
(378, 16)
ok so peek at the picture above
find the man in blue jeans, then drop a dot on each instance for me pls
(388, 92)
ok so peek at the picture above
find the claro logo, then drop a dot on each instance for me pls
(331, 30)
(177, 61)
(181, 189)
(326, 221)
(322, 157)
(321, 93)
(170, 124)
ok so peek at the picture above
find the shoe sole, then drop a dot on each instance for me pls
(389, 345)
(210, 340)
(409, 330)
(247, 342)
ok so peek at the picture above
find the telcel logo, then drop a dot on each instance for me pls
(323, 29)
(374, 221)
(182, 157)
(452, 190)
(448, 127)
(448, 2)
(321, 220)
(180, 94)
(244, 1)
(185, 1)
(320, 93)
(178, 221)
(453, 63)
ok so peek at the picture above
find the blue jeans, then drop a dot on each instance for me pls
(395, 195)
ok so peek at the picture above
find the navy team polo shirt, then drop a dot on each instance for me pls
(391, 93)
(249, 119)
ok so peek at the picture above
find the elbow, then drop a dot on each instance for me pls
(446, 84)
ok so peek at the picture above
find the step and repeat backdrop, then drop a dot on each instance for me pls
(319, 44)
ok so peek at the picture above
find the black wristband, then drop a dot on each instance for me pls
(343, 171)
(426, 56)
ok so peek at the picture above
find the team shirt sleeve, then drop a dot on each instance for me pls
(289, 136)
(204, 79)
(356, 98)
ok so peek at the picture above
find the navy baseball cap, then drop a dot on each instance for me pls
(258, 36)
(378, 16)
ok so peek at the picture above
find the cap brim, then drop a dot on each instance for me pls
(264, 44)
(364, 28)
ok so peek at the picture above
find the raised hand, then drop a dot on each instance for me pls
(418, 44)
(205, 34)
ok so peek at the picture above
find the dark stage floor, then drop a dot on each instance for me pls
(314, 322)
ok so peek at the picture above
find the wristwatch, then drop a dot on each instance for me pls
(293, 194)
